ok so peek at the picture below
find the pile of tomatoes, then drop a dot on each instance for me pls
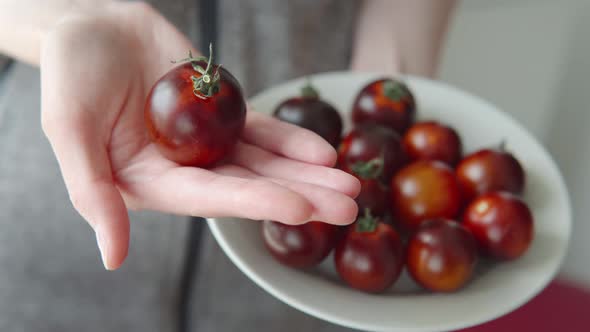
(423, 205)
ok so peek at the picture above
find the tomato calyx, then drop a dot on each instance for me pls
(394, 90)
(308, 91)
(207, 84)
(366, 223)
(371, 169)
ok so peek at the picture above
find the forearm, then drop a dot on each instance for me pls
(401, 36)
(23, 23)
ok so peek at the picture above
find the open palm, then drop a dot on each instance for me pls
(96, 72)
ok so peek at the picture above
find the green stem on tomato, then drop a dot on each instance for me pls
(366, 223)
(308, 91)
(393, 90)
(369, 170)
(207, 84)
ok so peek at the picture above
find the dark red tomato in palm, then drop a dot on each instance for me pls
(441, 255)
(195, 113)
(387, 102)
(300, 246)
(501, 223)
(370, 256)
(431, 140)
(490, 170)
(369, 142)
(311, 112)
(425, 190)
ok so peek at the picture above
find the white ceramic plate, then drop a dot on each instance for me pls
(495, 291)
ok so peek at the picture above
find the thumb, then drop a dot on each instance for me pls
(85, 166)
(78, 124)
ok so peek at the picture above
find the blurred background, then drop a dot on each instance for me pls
(529, 57)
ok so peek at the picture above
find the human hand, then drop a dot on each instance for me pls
(388, 39)
(96, 71)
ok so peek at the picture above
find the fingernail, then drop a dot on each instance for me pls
(103, 246)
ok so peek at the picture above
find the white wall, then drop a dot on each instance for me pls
(532, 59)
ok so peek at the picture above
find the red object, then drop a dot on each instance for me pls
(299, 246)
(189, 127)
(386, 102)
(432, 140)
(373, 196)
(441, 255)
(311, 112)
(367, 142)
(425, 190)
(370, 256)
(501, 223)
(561, 307)
(490, 170)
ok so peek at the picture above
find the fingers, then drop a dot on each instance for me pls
(265, 163)
(328, 205)
(84, 164)
(287, 140)
(199, 192)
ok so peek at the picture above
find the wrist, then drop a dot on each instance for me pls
(374, 44)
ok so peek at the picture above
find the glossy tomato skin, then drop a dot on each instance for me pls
(368, 142)
(314, 114)
(189, 130)
(490, 170)
(501, 223)
(300, 246)
(425, 190)
(374, 105)
(370, 261)
(373, 196)
(432, 140)
(441, 255)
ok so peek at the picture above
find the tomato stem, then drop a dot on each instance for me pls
(366, 223)
(369, 170)
(394, 90)
(502, 145)
(207, 84)
(308, 91)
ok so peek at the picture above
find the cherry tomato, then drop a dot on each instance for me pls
(490, 170)
(373, 196)
(300, 246)
(311, 112)
(425, 190)
(195, 113)
(387, 102)
(432, 141)
(441, 255)
(370, 256)
(369, 142)
(501, 223)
